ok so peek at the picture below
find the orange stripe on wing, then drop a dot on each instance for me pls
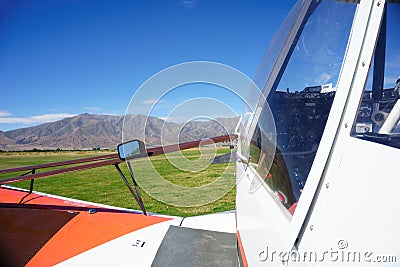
(86, 231)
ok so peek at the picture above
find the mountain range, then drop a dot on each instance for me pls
(93, 131)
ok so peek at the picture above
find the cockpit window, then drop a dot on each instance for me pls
(378, 117)
(300, 98)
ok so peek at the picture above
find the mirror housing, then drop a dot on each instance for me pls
(131, 149)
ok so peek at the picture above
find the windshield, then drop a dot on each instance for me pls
(299, 91)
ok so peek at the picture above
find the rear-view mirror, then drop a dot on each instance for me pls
(131, 149)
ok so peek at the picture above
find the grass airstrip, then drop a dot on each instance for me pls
(191, 169)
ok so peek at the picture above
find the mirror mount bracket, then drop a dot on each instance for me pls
(135, 193)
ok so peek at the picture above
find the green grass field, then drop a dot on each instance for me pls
(104, 185)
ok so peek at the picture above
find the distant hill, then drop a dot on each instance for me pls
(87, 131)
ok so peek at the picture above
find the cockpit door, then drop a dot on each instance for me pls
(306, 90)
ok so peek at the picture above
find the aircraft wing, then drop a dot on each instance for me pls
(47, 230)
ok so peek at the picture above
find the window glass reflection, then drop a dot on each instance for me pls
(301, 101)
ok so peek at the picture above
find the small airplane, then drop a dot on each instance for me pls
(317, 176)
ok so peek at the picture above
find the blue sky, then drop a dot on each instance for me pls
(64, 57)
